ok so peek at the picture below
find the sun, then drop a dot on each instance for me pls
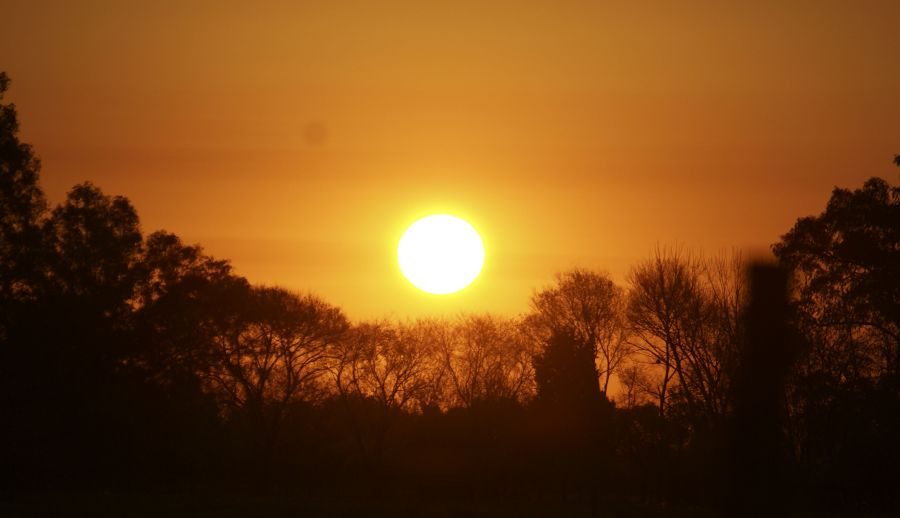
(440, 254)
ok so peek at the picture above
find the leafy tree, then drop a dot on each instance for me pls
(572, 415)
(565, 374)
(580, 322)
(22, 207)
(844, 392)
(185, 302)
(95, 243)
(847, 267)
(168, 265)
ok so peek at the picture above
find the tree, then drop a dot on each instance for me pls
(488, 359)
(589, 307)
(579, 322)
(565, 374)
(572, 415)
(95, 245)
(169, 265)
(382, 370)
(385, 362)
(665, 309)
(185, 300)
(70, 355)
(846, 263)
(685, 314)
(637, 387)
(844, 392)
(22, 208)
(271, 354)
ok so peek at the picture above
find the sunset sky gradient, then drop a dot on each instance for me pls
(299, 139)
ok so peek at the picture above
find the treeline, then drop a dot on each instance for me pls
(137, 361)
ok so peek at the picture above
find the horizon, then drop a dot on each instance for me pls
(300, 153)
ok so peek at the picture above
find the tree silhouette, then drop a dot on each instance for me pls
(667, 311)
(574, 415)
(488, 359)
(270, 355)
(22, 205)
(95, 244)
(590, 307)
(143, 365)
(565, 374)
(685, 315)
(847, 265)
(184, 302)
(381, 371)
(844, 393)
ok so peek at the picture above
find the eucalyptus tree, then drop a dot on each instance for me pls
(846, 264)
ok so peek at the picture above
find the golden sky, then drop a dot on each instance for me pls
(300, 138)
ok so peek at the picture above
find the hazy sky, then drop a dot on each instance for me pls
(300, 138)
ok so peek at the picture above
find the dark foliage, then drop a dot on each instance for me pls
(139, 363)
(844, 394)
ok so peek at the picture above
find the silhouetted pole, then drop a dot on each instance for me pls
(758, 438)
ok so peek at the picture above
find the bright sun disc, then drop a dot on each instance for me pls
(440, 254)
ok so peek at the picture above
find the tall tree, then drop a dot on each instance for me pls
(847, 267)
(96, 244)
(565, 374)
(844, 391)
(22, 207)
(185, 302)
(573, 416)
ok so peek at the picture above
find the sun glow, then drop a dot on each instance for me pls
(440, 254)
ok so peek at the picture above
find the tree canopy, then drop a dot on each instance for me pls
(136, 360)
(847, 261)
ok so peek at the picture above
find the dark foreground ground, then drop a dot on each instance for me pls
(99, 504)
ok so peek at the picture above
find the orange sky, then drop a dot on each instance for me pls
(299, 138)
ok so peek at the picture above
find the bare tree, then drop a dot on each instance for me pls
(488, 358)
(380, 370)
(385, 362)
(685, 315)
(666, 311)
(637, 385)
(590, 307)
(725, 278)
